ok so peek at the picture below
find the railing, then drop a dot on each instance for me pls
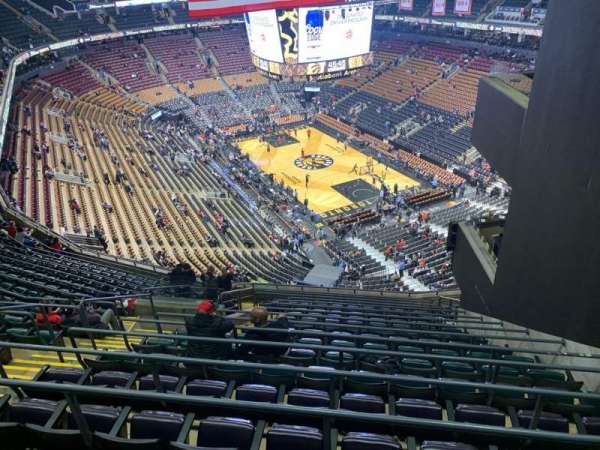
(155, 362)
(281, 411)
(357, 351)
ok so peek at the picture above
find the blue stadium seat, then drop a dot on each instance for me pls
(294, 437)
(308, 397)
(414, 407)
(225, 432)
(369, 441)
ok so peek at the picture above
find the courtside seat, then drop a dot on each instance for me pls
(441, 445)
(308, 397)
(548, 421)
(420, 408)
(294, 437)
(362, 403)
(369, 441)
(482, 414)
(225, 432)
(257, 393)
(210, 388)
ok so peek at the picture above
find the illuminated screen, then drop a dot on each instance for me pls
(334, 32)
(320, 42)
(263, 35)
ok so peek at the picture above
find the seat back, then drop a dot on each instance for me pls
(369, 441)
(362, 403)
(161, 425)
(226, 432)
(483, 414)
(421, 408)
(257, 393)
(99, 418)
(294, 437)
(308, 397)
(32, 410)
(211, 388)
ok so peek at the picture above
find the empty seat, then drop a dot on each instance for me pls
(62, 375)
(294, 437)
(299, 356)
(162, 425)
(441, 445)
(166, 382)
(362, 403)
(482, 414)
(211, 388)
(369, 441)
(310, 341)
(548, 421)
(308, 397)
(111, 378)
(415, 407)
(256, 393)
(32, 410)
(225, 432)
(99, 418)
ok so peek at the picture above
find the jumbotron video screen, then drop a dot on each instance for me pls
(318, 42)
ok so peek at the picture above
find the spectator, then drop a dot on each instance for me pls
(206, 324)
(259, 318)
(182, 274)
(55, 245)
(12, 229)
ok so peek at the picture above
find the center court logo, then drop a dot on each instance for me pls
(313, 162)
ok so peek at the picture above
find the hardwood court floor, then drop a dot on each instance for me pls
(327, 164)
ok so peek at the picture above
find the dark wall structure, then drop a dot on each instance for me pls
(548, 274)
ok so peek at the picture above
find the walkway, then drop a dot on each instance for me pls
(412, 283)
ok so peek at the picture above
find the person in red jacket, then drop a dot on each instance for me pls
(12, 229)
(55, 245)
(53, 318)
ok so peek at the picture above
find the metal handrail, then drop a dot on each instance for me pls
(366, 328)
(340, 349)
(168, 360)
(284, 410)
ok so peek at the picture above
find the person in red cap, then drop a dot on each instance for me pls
(206, 323)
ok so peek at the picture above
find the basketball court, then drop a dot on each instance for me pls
(339, 178)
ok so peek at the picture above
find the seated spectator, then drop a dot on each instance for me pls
(259, 318)
(74, 206)
(182, 274)
(206, 323)
(56, 245)
(12, 229)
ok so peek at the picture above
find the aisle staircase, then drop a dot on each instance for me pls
(412, 283)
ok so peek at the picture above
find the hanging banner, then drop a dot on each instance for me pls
(463, 7)
(438, 8)
(406, 5)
